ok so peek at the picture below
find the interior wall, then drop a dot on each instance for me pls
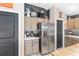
(54, 15)
(30, 24)
(20, 8)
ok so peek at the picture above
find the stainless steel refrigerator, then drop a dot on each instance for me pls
(46, 41)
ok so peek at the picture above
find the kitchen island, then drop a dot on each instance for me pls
(68, 51)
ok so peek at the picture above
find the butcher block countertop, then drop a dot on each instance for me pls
(68, 51)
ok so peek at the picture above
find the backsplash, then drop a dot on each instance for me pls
(31, 34)
(67, 30)
(74, 32)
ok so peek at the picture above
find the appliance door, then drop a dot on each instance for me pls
(51, 38)
(44, 41)
(51, 43)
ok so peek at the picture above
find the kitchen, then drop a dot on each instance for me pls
(49, 30)
(32, 26)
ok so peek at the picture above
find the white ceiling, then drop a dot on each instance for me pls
(68, 8)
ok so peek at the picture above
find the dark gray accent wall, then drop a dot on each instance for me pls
(36, 9)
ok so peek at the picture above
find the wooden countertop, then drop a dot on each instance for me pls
(68, 51)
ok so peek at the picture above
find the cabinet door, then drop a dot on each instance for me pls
(77, 24)
(75, 41)
(71, 24)
(28, 47)
(51, 43)
(68, 42)
(35, 46)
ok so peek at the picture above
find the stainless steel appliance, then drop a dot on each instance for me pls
(46, 41)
